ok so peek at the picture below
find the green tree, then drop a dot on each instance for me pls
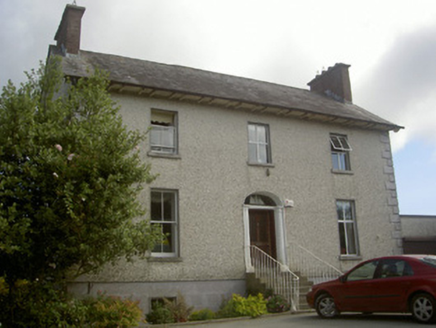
(70, 174)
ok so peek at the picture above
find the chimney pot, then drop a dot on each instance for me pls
(68, 33)
(333, 82)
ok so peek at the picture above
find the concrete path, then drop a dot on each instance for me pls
(307, 320)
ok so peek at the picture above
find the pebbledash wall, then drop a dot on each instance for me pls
(213, 179)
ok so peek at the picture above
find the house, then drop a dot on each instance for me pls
(250, 173)
(419, 234)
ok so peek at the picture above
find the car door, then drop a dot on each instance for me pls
(390, 286)
(356, 292)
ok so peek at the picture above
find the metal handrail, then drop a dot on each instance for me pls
(276, 276)
(310, 265)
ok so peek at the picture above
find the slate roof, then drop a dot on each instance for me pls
(185, 80)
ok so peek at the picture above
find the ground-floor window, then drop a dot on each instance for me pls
(164, 213)
(348, 237)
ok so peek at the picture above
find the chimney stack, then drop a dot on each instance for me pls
(335, 83)
(68, 33)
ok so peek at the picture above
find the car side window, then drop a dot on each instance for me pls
(363, 272)
(395, 268)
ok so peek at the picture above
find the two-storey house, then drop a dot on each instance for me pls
(248, 171)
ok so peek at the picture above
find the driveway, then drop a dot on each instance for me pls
(311, 320)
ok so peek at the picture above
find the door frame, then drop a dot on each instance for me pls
(279, 229)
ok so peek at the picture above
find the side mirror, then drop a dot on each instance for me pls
(343, 279)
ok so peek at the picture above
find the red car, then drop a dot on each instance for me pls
(405, 283)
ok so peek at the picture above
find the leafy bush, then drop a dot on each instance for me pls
(169, 311)
(227, 309)
(202, 315)
(160, 315)
(277, 304)
(253, 306)
(39, 304)
(237, 306)
(113, 312)
(179, 309)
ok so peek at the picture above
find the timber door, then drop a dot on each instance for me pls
(262, 231)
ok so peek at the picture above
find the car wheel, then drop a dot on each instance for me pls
(423, 308)
(325, 306)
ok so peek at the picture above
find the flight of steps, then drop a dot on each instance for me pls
(255, 286)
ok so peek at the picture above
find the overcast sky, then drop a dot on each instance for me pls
(390, 45)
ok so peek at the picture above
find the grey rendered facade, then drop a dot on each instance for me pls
(244, 162)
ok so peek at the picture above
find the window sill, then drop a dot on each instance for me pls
(350, 258)
(342, 172)
(164, 259)
(163, 155)
(261, 164)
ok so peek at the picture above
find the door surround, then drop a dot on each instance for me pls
(280, 234)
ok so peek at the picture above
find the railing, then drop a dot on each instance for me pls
(275, 276)
(311, 266)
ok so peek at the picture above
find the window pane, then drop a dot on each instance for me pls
(344, 143)
(340, 161)
(343, 161)
(167, 246)
(335, 161)
(162, 117)
(261, 134)
(169, 207)
(363, 272)
(252, 153)
(348, 214)
(162, 138)
(340, 143)
(335, 142)
(351, 239)
(156, 207)
(155, 136)
(167, 137)
(339, 209)
(252, 133)
(343, 243)
(263, 154)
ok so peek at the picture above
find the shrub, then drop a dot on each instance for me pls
(237, 306)
(253, 306)
(227, 309)
(160, 315)
(179, 309)
(202, 315)
(277, 304)
(39, 304)
(113, 312)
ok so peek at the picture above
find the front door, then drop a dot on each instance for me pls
(262, 231)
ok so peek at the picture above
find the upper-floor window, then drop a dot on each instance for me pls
(259, 146)
(163, 134)
(340, 152)
(348, 238)
(163, 211)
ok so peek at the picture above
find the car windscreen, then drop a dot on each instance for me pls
(429, 260)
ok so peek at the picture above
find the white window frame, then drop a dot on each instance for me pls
(347, 228)
(340, 152)
(174, 222)
(260, 142)
(164, 137)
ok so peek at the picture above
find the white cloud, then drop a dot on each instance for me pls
(401, 86)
